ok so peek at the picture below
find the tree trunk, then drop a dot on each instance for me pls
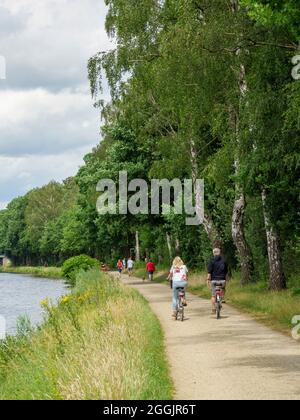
(277, 279)
(177, 246)
(137, 246)
(238, 228)
(212, 233)
(169, 243)
(239, 207)
(209, 227)
(239, 240)
(235, 6)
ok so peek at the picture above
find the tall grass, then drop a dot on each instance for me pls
(101, 342)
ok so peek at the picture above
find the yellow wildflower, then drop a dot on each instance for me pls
(45, 303)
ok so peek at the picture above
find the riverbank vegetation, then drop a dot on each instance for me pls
(200, 89)
(74, 265)
(44, 272)
(68, 271)
(101, 342)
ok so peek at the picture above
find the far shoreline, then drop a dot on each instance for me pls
(54, 273)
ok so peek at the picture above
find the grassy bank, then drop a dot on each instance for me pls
(273, 309)
(101, 342)
(46, 272)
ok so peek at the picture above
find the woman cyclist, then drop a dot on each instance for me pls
(179, 276)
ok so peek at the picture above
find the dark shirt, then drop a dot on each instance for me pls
(218, 268)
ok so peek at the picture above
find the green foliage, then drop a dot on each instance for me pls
(284, 13)
(177, 111)
(184, 61)
(32, 228)
(74, 265)
(118, 332)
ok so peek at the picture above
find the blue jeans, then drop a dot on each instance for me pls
(175, 292)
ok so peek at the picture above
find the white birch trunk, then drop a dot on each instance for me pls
(277, 280)
(239, 207)
(208, 224)
(177, 245)
(169, 244)
(137, 246)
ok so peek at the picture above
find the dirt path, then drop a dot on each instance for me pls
(234, 358)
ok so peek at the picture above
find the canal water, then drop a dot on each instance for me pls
(21, 295)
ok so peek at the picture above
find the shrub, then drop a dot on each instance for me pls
(74, 265)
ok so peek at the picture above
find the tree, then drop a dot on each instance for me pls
(282, 13)
(200, 89)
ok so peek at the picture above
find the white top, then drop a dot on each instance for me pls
(130, 263)
(179, 274)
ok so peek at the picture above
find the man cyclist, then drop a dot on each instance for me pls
(217, 274)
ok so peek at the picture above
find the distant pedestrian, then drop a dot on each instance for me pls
(150, 267)
(104, 267)
(130, 265)
(120, 267)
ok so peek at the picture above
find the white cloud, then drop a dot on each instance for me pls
(3, 205)
(21, 174)
(42, 122)
(55, 42)
(47, 121)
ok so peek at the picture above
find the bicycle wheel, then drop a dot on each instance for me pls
(182, 314)
(177, 312)
(219, 310)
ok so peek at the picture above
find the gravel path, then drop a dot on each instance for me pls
(235, 358)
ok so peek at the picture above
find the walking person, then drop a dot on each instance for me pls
(179, 277)
(130, 265)
(150, 267)
(217, 273)
(120, 267)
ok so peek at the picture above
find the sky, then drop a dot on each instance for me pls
(47, 119)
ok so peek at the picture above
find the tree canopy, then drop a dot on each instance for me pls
(199, 89)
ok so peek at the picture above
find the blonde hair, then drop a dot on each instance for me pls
(177, 263)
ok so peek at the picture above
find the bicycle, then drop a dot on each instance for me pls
(219, 288)
(180, 304)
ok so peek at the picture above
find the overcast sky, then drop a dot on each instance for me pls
(47, 119)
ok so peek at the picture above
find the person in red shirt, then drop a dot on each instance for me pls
(150, 267)
(120, 267)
